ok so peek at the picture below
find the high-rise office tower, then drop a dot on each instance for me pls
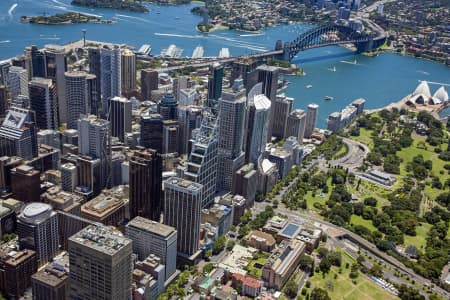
(189, 118)
(21, 101)
(111, 82)
(4, 69)
(89, 171)
(182, 210)
(44, 103)
(245, 183)
(37, 61)
(215, 82)
(232, 109)
(167, 107)
(17, 81)
(56, 66)
(268, 75)
(26, 183)
(179, 84)
(295, 125)
(128, 70)
(282, 107)
(149, 83)
(152, 131)
(311, 119)
(146, 184)
(18, 134)
(78, 96)
(119, 117)
(95, 141)
(171, 131)
(69, 177)
(95, 68)
(150, 237)
(93, 94)
(203, 163)
(257, 127)
(3, 100)
(37, 228)
(100, 264)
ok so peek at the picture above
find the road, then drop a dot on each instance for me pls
(355, 156)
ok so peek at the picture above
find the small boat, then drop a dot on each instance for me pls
(309, 86)
(328, 98)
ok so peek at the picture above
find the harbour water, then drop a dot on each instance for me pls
(330, 71)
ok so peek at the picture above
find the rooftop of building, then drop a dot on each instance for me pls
(183, 183)
(102, 205)
(261, 236)
(313, 106)
(261, 102)
(359, 101)
(68, 166)
(290, 230)
(51, 275)
(151, 226)
(94, 120)
(41, 81)
(14, 258)
(101, 238)
(297, 113)
(36, 212)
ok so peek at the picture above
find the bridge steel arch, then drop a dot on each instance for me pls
(331, 34)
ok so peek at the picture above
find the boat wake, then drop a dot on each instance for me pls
(134, 18)
(11, 9)
(5, 41)
(180, 35)
(350, 62)
(254, 34)
(60, 3)
(423, 72)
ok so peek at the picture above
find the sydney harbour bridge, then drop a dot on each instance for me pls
(319, 36)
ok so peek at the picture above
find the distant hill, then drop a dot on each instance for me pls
(116, 4)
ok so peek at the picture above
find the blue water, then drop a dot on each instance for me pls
(381, 80)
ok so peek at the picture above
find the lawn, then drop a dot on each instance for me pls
(341, 152)
(365, 137)
(420, 239)
(256, 271)
(358, 220)
(310, 200)
(343, 288)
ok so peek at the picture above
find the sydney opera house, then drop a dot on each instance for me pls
(422, 95)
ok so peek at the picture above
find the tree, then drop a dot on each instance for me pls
(291, 288)
(208, 254)
(305, 261)
(208, 268)
(325, 265)
(319, 294)
(335, 258)
(230, 245)
(409, 293)
(376, 270)
(219, 244)
(370, 201)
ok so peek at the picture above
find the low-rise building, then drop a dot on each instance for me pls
(105, 209)
(220, 216)
(52, 282)
(250, 286)
(282, 263)
(260, 240)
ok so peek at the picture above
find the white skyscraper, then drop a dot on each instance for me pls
(295, 125)
(257, 127)
(110, 60)
(17, 81)
(69, 177)
(311, 119)
(76, 97)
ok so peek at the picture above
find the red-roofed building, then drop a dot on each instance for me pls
(250, 286)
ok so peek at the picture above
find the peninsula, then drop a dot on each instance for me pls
(65, 18)
(116, 4)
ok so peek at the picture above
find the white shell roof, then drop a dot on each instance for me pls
(423, 89)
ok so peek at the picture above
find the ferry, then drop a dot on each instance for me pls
(328, 98)
(198, 52)
(309, 86)
(224, 53)
(172, 52)
(144, 50)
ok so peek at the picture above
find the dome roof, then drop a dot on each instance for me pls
(423, 89)
(441, 95)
